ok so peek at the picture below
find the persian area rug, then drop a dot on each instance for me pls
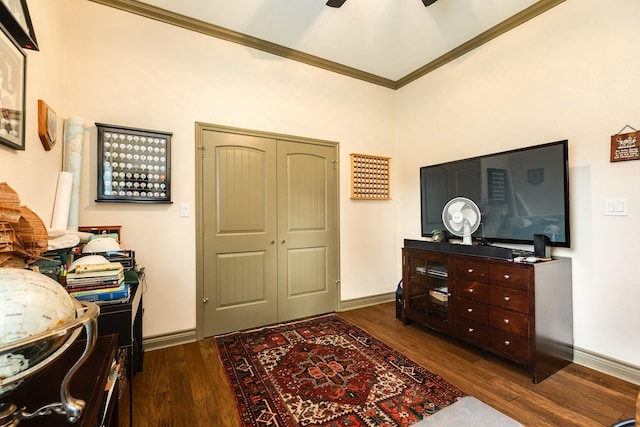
(325, 371)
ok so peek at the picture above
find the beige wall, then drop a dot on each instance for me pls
(33, 172)
(119, 68)
(570, 73)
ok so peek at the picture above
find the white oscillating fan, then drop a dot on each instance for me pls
(461, 216)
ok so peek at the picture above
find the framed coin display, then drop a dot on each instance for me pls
(133, 165)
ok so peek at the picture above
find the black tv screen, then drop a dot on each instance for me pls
(519, 192)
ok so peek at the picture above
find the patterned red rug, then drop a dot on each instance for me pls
(324, 371)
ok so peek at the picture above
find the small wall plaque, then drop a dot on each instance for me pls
(133, 165)
(47, 125)
(625, 146)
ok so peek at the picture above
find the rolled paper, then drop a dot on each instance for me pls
(62, 202)
(73, 142)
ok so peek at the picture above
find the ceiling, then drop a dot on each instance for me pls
(388, 42)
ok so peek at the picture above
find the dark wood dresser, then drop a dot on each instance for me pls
(520, 311)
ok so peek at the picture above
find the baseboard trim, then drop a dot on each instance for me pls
(607, 365)
(352, 304)
(157, 342)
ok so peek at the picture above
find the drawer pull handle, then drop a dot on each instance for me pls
(470, 290)
(469, 310)
(470, 330)
(470, 270)
(506, 276)
(507, 299)
(506, 321)
(507, 342)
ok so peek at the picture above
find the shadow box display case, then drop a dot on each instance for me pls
(134, 165)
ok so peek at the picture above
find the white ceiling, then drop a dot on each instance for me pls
(388, 39)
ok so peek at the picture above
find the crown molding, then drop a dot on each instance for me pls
(182, 21)
(493, 32)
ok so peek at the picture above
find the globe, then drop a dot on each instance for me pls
(30, 304)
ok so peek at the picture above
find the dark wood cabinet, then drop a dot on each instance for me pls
(426, 289)
(519, 311)
(88, 384)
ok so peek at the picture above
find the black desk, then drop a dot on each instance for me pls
(87, 384)
(125, 319)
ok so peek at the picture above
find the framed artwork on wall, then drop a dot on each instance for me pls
(47, 125)
(12, 92)
(134, 165)
(15, 17)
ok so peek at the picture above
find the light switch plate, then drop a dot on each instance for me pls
(616, 207)
(184, 210)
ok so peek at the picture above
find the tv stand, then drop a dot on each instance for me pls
(519, 311)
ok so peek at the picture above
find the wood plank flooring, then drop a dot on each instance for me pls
(186, 386)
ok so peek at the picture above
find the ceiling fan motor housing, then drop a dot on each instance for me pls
(335, 3)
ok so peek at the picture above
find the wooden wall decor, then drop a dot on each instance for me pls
(47, 125)
(625, 146)
(370, 177)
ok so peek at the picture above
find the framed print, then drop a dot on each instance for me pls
(12, 92)
(47, 125)
(134, 165)
(14, 16)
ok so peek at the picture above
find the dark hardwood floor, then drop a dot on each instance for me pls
(186, 386)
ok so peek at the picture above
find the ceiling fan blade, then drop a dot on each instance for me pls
(428, 2)
(338, 3)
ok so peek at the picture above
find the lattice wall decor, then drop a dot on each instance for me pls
(370, 177)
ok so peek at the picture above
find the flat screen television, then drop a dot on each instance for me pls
(520, 193)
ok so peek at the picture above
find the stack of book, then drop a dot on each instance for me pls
(100, 283)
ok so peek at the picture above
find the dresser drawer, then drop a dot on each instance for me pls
(509, 321)
(472, 310)
(509, 298)
(509, 345)
(512, 277)
(472, 332)
(471, 270)
(472, 290)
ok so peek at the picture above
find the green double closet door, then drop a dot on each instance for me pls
(269, 229)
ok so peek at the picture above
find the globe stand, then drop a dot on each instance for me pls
(87, 316)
